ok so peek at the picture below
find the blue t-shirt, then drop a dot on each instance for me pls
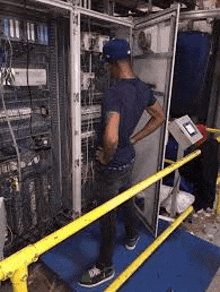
(128, 97)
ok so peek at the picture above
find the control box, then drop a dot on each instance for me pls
(184, 131)
(93, 41)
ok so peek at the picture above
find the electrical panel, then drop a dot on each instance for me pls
(33, 180)
(93, 41)
(49, 113)
(52, 81)
(94, 80)
(91, 45)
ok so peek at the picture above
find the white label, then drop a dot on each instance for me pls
(17, 30)
(12, 33)
(36, 77)
(15, 114)
(28, 31)
(32, 32)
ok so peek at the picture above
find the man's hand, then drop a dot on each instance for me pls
(157, 118)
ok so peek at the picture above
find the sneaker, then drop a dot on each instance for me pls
(95, 276)
(209, 210)
(131, 244)
(201, 211)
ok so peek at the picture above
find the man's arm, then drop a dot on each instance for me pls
(110, 138)
(156, 120)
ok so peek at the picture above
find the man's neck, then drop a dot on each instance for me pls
(126, 71)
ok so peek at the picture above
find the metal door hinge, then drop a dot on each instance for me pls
(76, 97)
(76, 163)
(75, 20)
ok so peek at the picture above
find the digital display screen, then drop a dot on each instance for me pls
(189, 127)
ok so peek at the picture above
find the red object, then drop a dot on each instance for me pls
(202, 130)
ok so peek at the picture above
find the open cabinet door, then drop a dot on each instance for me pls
(154, 46)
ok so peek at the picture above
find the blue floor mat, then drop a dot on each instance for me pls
(183, 263)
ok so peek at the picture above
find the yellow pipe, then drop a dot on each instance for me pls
(31, 253)
(19, 279)
(10, 265)
(169, 161)
(127, 273)
(218, 139)
(213, 131)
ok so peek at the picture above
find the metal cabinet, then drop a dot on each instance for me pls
(153, 63)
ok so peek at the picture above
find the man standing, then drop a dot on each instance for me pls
(123, 106)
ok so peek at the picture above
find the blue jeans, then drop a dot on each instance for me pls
(110, 183)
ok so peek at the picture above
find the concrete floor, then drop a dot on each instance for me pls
(206, 225)
(215, 284)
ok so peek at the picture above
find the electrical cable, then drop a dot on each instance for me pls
(11, 237)
(8, 120)
(5, 78)
(18, 186)
(7, 73)
(13, 136)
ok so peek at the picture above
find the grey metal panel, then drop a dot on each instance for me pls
(148, 161)
(147, 149)
(154, 66)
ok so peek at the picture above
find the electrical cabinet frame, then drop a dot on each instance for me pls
(93, 25)
(79, 82)
(35, 119)
(166, 23)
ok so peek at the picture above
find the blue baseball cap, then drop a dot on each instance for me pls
(116, 49)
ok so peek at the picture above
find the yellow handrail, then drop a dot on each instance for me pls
(169, 161)
(213, 131)
(11, 267)
(218, 139)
